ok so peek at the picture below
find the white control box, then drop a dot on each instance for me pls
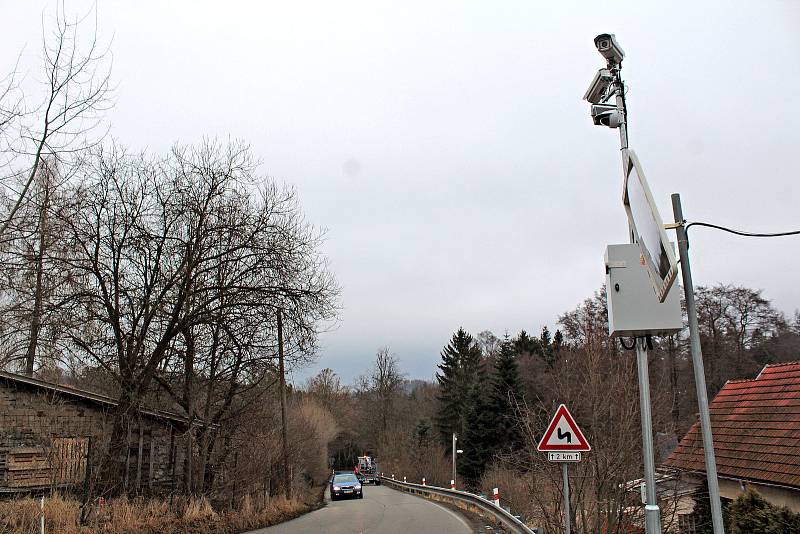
(633, 307)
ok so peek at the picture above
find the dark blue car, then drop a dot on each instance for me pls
(345, 485)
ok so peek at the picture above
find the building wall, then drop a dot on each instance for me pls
(32, 418)
(730, 489)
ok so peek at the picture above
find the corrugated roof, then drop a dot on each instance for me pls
(756, 428)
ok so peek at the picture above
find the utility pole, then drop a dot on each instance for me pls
(287, 481)
(697, 365)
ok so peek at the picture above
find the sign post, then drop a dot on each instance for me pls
(564, 442)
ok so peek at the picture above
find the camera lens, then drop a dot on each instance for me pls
(604, 44)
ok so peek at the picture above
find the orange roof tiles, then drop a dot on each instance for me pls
(756, 427)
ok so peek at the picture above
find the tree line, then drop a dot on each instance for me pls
(154, 278)
(497, 395)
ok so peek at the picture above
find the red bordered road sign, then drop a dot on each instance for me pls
(563, 434)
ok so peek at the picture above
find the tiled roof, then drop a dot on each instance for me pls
(756, 429)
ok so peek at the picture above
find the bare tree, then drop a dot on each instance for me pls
(386, 380)
(179, 265)
(64, 122)
(34, 283)
(326, 387)
(733, 322)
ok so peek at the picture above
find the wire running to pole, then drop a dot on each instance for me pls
(739, 232)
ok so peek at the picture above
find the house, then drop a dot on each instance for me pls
(756, 429)
(49, 433)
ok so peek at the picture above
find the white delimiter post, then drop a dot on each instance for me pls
(699, 371)
(652, 513)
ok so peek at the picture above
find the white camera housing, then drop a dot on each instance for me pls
(599, 87)
(608, 46)
(606, 115)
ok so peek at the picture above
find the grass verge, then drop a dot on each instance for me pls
(152, 516)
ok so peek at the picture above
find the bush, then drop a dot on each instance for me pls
(750, 512)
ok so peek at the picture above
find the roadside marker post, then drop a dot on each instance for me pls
(404, 479)
(423, 481)
(496, 497)
(452, 484)
(563, 442)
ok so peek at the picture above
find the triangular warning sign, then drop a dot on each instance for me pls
(563, 434)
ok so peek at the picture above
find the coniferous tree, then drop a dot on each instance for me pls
(550, 349)
(479, 439)
(456, 376)
(506, 390)
(422, 432)
(545, 339)
(525, 344)
(558, 341)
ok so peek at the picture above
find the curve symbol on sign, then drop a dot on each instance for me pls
(567, 435)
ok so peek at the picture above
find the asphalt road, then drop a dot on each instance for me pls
(381, 511)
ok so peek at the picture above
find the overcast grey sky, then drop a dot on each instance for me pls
(446, 148)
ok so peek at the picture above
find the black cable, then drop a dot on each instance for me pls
(738, 232)
(626, 347)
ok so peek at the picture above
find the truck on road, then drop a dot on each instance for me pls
(368, 470)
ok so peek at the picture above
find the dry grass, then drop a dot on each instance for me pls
(139, 516)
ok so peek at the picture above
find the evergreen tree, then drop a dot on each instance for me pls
(525, 344)
(546, 347)
(544, 338)
(750, 513)
(479, 439)
(558, 341)
(422, 432)
(456, 376)
(506, 390)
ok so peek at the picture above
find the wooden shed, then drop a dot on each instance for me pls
(48, 433)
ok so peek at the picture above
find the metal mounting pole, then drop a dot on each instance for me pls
(652, 513)
(567, 515)
(699, 371)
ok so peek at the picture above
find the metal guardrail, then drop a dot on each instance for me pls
(472, 501)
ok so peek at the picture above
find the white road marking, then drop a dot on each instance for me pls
(449, 511)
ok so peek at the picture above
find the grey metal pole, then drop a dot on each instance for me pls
(651, 511)
(567, 515)
(699, 371)
(620, 97)
(454, 457)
